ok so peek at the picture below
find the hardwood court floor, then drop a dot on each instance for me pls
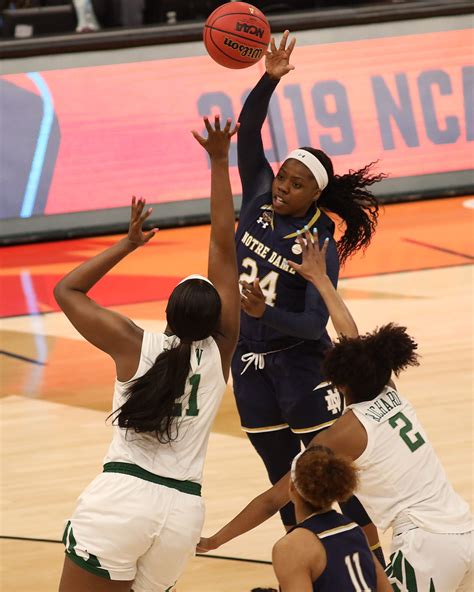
(56, 389)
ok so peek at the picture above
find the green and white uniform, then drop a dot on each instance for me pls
(142, 517)
(404, 486)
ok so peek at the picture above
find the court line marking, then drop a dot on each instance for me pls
(42, 142)
(436, 248)
(38, 540)
(341, 277)
(23, 358)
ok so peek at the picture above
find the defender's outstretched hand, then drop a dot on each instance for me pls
(136, 234)
(277, 60)
(313, 265)
(218, 141)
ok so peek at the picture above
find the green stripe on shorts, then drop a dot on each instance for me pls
(91, 564)
(136, 471)
(400, 571)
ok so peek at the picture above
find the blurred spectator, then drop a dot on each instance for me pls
(129, 12)
(86, 19)
(93, 15)
(19, 4)
(121, 13)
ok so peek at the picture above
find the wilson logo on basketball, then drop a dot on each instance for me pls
(250, 29)
(244, 50)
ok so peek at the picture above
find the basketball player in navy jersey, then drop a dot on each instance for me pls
(281, 394)
(325, 551)
(401, 480)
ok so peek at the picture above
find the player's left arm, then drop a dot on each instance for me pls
(318, 269)
(261, 508)
(106, 329)
(222, 261)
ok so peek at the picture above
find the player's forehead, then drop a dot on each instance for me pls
(296, 169)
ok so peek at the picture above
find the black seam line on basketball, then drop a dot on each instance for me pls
(229, 56)
(436, 248)
(264, 21)
(23, 358)
(236, 35)
(224, 557)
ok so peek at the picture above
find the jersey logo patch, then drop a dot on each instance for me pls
(266, 219)
(333, 401)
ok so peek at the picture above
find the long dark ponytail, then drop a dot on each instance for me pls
(192, 313)
(348, 197)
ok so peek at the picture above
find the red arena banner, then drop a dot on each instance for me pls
(95, 136)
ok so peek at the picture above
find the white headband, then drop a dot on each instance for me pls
(293, 471)
(313, 164)
(196, 276)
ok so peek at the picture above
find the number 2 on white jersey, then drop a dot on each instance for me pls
(267, 283)
(412, 439)
(355, 573)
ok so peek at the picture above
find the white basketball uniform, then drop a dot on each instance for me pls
(142, 517)
(404, 486)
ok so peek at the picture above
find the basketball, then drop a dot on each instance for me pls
(236, 35)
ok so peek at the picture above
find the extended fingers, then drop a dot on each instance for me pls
(230, 132)
(138, 215)
(291, 46)
(198, 137)
(284, 40)
(217, 128)
(207, 124)
(250, 303)
(249, 290)
(310, 239)
(325, 247)
(235, 130)
(145, 214)
(227, 125)
(137, 208)
(246, 288)
(294, 265)
(149, 235)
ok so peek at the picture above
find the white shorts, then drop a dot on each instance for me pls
(126, 528)
(430, 562)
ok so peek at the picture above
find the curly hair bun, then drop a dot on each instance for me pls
(322, 477)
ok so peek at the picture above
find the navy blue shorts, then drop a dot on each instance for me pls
(289, 391)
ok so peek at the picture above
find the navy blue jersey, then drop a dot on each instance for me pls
(265, 241)
(350, 564)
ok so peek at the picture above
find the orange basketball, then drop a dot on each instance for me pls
(236, 35)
